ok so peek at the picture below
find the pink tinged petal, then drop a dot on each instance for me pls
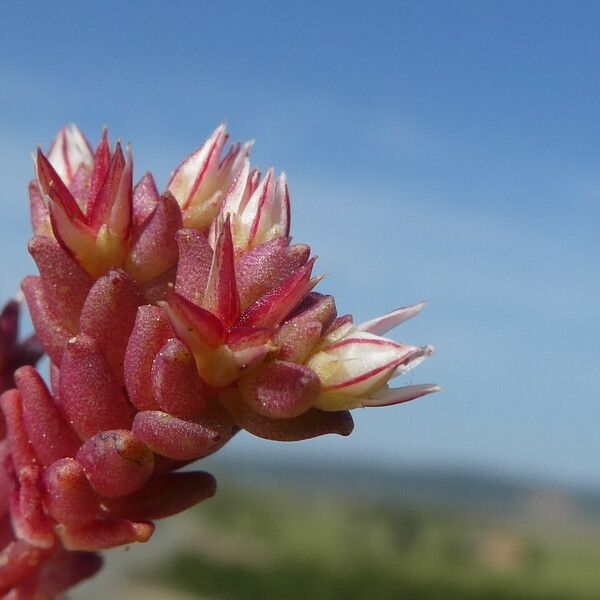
(116, 463)
(68, 495)
(267, 266)
(108, 315)
(415, 359)
(48, 432)
(280, 390)
(190, 182)
(74, 236)
(388, 397)
(102, 162)
(52, 185)
(297, 340)
(69, 151)
(67, 569)
(40, 218)
(104, 534)
(19, 562)
(145, 199)
(155, 250)
(120, 217)
(315, 307)
(193, 267)
(204, 335)
(358, 364)
(101, 205)
(49, 326)
(150, 332)
(248, 357)
(273, 214)
(65, 282)
(180, 439)
(90, 394)
(250, 345)
(221, 296)
(80, 186)
(195, 326)
(312, 423)
(175, 382)
(381, 325)
(275, 306)
(163, 496)
(238, 194)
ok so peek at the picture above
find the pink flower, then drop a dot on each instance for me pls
(171, 322)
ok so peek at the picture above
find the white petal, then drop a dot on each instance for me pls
(383, 324)
(387, 397)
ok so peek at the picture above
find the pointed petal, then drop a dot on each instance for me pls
(267, 266)
(388, 397)
(145, 199)
(221, 296)
(237, 194)
(80, 186)
(193, 267)
(358, 364)
(52, 185)
(100, 207)
(73, 235)
(69, 151)
(120, 216)
(273, 214)
(195, 326)
(385, 323)
(276, 305)
(102, 159)
(187, 181)
(415, 359)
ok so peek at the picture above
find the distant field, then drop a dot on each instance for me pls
(295, 541)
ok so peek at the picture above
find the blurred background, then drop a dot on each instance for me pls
(438, 150)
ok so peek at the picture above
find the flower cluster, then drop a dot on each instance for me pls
(171, 322)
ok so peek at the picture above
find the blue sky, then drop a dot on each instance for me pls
(446, 151)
